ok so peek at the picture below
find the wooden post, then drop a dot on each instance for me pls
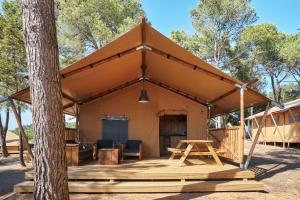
(22, 132)
(284, 130)
(265, 136)
(77, 123)
(261, 124)
(276, 127)
(208, 121)
(242, 122)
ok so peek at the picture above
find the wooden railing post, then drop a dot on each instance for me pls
(261, 124)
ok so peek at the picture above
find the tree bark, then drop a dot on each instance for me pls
(3, 133)
(51, 181)
(21, 155)
(273, 87)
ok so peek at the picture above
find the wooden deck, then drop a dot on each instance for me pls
(155, 175)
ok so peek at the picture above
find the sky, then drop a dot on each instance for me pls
(168, 15)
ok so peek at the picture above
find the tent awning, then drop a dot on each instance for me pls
(118, 65)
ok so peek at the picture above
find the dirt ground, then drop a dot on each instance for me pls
(277, 168)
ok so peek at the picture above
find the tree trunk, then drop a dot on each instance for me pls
(273, 87)
(21, 155)
(3, 133)
(51, 181)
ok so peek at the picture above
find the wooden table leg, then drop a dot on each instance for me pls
(214, 154)
(174, 154)
(186, 152)
(199, 150)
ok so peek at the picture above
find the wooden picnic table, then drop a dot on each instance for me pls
(193, 148)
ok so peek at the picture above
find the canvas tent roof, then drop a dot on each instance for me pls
(118, 65)
(276, 109)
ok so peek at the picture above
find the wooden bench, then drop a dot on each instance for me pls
(180, 151)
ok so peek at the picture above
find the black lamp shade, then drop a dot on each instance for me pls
(143, 97)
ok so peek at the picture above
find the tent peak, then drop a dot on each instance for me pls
(143, 20)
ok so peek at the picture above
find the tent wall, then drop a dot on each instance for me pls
(287, 130)
(143, 119)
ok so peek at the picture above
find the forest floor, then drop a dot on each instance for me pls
(277, 168)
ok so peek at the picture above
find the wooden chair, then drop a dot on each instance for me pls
(133, 148)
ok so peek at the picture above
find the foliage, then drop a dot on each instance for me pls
(84, 26)
(70, 124)
(220, 22)
(194, 44)
(260, 43)
(12, 55)
(290, 52)
(28, 131)
(291, 91)
(225, 37)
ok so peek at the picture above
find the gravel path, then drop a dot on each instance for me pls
(277, 168)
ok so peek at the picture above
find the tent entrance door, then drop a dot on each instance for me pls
(172, 128)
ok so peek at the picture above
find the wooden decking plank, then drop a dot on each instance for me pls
(137, 187)
(155, 176)
(155, 170)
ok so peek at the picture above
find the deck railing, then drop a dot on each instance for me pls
(230, 142)
(70, 133)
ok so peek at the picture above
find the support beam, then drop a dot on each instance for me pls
(208, 121)
(68, 105)
(276, 127)
(242, 123)
(115, 89)
(77, 138)
(233, 91)
(100, 62)
(195, 67)
(186, 95)
(102, 94)
(18, 119)
(68, 97)
(261, 124)
(224, 95)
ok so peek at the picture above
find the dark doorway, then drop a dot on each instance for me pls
(115, 128)
(172, 128)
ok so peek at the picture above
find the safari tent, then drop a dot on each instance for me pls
(142, 86)
(282, 125)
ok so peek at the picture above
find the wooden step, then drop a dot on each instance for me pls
(138, 187)
(151, 175)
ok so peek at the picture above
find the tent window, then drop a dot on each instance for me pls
(296, 117)
(115, 129)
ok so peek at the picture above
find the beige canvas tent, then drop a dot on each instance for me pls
(106, 85)
(282, 125)
(142, 86)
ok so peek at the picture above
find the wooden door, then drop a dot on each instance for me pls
(172, 128)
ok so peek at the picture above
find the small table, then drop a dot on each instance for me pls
(72, 153)
(108, 156)
(194, 144)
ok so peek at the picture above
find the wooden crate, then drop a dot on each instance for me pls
(72, 152)
(108, 156)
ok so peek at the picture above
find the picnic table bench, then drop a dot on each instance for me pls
(195, 148)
